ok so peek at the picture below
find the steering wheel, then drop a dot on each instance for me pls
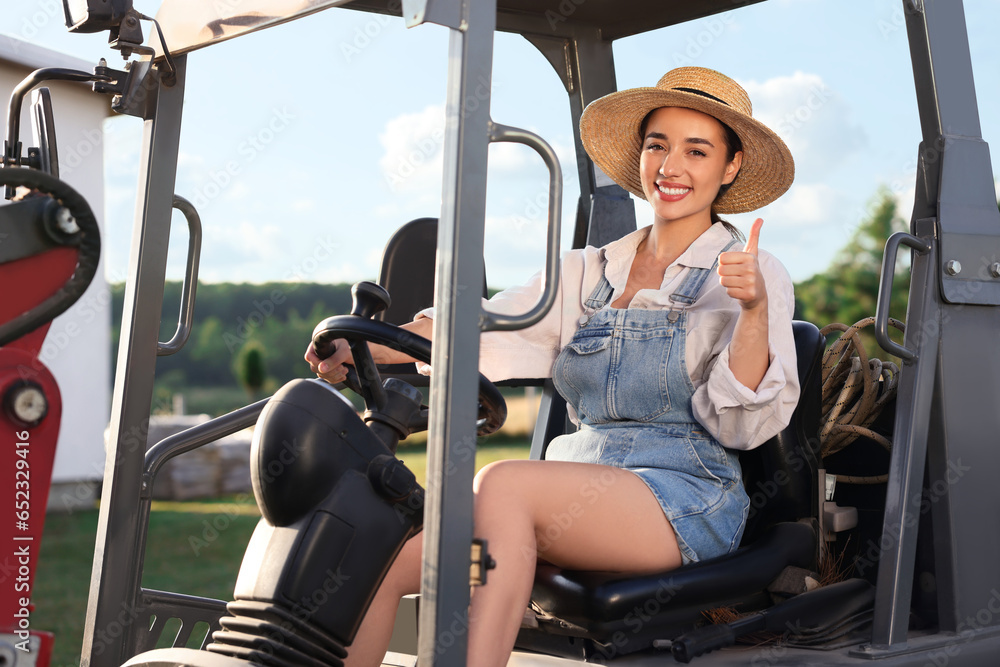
(358, 329)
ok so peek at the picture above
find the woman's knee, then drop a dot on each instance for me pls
(498, 481)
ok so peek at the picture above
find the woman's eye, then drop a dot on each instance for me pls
(698, 153)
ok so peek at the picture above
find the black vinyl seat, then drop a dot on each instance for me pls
(582, 613)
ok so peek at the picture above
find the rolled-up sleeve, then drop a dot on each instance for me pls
(531, 352)
(741, 418)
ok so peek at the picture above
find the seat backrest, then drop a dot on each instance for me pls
(780, 476)
(407, 270)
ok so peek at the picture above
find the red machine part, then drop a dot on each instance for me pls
(28, 282)
(27, 454)
(30, 412)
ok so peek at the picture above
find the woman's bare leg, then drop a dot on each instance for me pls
(373, 636)
(574, 515)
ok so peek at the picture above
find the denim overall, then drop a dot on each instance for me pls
(625, 374)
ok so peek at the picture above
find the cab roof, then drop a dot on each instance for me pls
(194, 24)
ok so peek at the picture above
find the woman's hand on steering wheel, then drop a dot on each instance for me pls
(373, 342)
(334, 368)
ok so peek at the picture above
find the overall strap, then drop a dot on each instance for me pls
(601, 294)
(696, 277)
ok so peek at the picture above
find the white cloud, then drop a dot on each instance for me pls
(811, 117)
(413, 159)
(510, 157)
(807, 204)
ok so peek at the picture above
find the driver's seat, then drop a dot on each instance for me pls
(580, 614)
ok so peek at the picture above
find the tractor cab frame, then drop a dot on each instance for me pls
(950, 379)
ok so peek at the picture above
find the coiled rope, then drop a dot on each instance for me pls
(855, 390)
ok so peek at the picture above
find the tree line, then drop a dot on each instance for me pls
(230, 319)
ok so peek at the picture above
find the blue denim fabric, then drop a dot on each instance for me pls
(625, 374)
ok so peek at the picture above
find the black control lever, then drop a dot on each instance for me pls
(367, 300)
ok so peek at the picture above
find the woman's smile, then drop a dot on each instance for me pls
(672, 192)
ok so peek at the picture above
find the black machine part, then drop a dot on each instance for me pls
(63, 218)
(816, 608)
(43, 132)
(358, 327)
(336, 508)
(336, 505)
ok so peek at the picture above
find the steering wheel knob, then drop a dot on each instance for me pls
(368, 299)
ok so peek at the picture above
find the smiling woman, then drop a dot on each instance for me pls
(681, 353)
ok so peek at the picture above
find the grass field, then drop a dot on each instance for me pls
(193, 547)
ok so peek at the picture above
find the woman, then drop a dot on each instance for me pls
(666, 370)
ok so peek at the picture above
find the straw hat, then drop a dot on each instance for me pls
(610, 128)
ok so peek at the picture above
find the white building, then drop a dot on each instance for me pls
(77, 347)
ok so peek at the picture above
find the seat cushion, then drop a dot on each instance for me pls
(608, 606)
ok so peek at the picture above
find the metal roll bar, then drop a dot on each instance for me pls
(185, 319)
(490, 321)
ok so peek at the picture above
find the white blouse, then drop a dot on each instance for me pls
(736, 416)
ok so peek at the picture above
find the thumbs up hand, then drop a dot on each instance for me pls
(740, 273)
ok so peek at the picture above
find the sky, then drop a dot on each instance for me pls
(304, 146)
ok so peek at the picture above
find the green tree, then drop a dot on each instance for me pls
(251, 368)
(848, 290)
(210, 359)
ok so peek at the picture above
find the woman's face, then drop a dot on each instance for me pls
(683, 164)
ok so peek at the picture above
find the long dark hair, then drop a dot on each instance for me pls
(733, 145)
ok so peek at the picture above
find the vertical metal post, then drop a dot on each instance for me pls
(444, 621)
(946, 406)
(111, 612)
(585, 63)
(605, 207)
(898, 543)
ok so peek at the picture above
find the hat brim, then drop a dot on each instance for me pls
(609, 130)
